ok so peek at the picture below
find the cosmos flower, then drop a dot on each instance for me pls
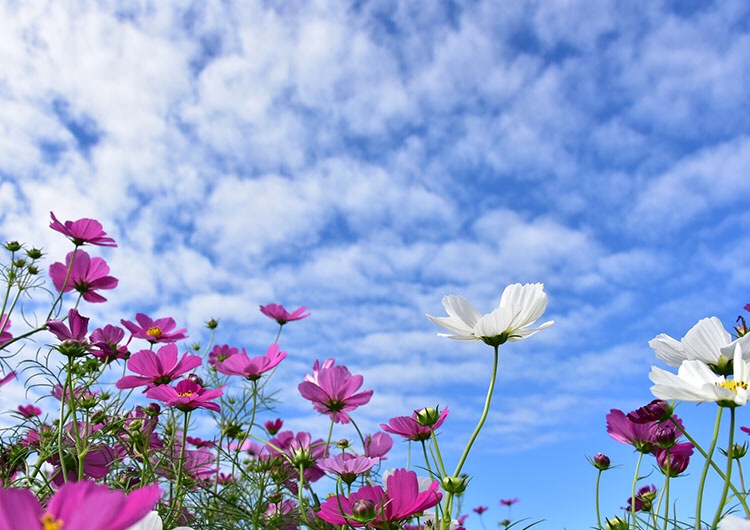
(378, 445)
(332, 391)
(5, 335)
(72, 335)
(379, 507)
(29, 411)
(186, 396)
(80, 505)
(154, 331)
(220, 353)
(87, 275)
(407, 426)
(481, 509)
(157, 368)
(83, 231)
(508, 502)
(153, 522)
(732, 522)
(708, 341)
(10, 376)
(273, 426)
(105, 343)
(251, 368)
(348, 466)
(624, 430)
(677, 457)
(281, 315)
(520, 307)
(696, 382)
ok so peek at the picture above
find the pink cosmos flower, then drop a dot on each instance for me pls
(281, 315)
(8, 378)
(186, 396)
(644, 498)
(5, 335)
(377, 445)
(251, 368)
(87, 275)
(106, 343)
(75, 330)
(157, 368)
(399, 501)
(273, 426)
(302, 451)
(481, 509)
(508, 502)
(625, 431)
(77, 506)
(408, 428)
(29, 411)
(677, 456)
(332, 391)
(220, 353)
(348, 466)
(96, 462)
(83, 231)
(154, 331)
(281, 515)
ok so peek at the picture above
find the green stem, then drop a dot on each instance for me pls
(598, 513)
(727, 478)
(704, 473)
(632, 494)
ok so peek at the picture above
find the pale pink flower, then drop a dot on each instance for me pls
(407, 426)
(281, 315)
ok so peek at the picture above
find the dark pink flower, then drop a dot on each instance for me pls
(281, 315)
(407, 426)
(87, 275)
(624, 430)
(77, 506)
(657, 410)
(675, 460)
(5, 335)
(251, 368)
(221, 353)
(281, 515)
(199, 442)
(332, 391)
(508, 502)
(106, 345)
(481, 509)
(302, 451)
(273, 426)
(29, 411)
(83, 231)
(72, 335)
(644, 499)
(378, 445)
(154, 331)
(157, 368)
(380, 508)
(7, 378)
(186, 396)
(96, 462)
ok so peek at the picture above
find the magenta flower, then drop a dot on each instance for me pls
(8, 378)
(77, 506)
(154, 331)
(106, 343)
(644, 498)
(29, 411)
(186, 396)
(83, 231)
(407, 426)
(333, 392)
(301, 451)
(5, 335)
(348, 466)
(377, 445)
(157, 368)
(251, 368)
(481, 509)
(220, 353)
(87, 275)
(508, 502)
(72, 335)
(281, 315)
(273, 426)
(675, 460)
(379, 508)
(624, 430)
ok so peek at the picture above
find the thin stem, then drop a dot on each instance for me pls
(598, 513)
(730, 461)
(632, 494)
(704, 473)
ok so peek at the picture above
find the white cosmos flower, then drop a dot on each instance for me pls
(696, 382)
(707, 341)
(520, 306)
(732, 522)
(153, 522)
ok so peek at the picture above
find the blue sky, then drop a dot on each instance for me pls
(365, 159)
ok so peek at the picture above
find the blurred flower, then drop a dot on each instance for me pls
(273, 426)
(399, 501)
(696, 382)
(280, 515)
(220, 353)
(80, 505)
(29, 411)
(377, 445)
(732, 522)
(644, 499)
(186, 396)
(332, 391)
(153, 522)
(281, 315)
(508, 502)
(87, 275)
(7, 378)
(154, 331)
(481, 509)
(302, 451)
(408, 427)
(5, 335)
(83, 231)
(520, 306)
(251, 368)
(708, 341)
(157, 368)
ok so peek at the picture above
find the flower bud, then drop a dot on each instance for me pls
(13, 246)
(618, 523)
(363, 510)
(601, 461)
(657, 410)
(212, 323)
(32, 270)
(455, 485)
(665, 435)
(195, 378)
(34, 253)
(152, 410)
(428, 416)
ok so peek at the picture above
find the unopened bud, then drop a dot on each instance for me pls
(34, 253)
(455, 485)
(428, 416)
(13, 246)
(195, 378)
(363, 510)
(601, 461)
(212, 323)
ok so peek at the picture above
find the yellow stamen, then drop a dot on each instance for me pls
(50, 523)
(154, 332)
(733, 385)
(185, 394)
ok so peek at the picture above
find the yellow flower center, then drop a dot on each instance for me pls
(733, 385)
(50, 523)
(154, 332)
(185, 394)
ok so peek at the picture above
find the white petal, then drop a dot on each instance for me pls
(668, 349)
(528, 301)
(459, 307)
(705, 340)
(151, 522)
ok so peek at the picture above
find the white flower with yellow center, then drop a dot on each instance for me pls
(520, 306)
(696, 382)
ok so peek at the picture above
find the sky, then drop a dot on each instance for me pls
(366, 158)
